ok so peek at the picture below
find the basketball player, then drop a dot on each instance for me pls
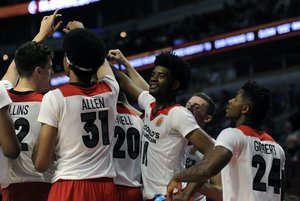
(9, 145)
(126, 151)
(78, 121)
(254, 161)
(167, 126)
(33, 63)
(203, 109)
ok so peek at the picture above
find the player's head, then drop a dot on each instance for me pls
(84, 53)
(169, 75)
(34, 60)
(252, 101)
(202, 107)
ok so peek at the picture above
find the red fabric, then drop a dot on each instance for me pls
(102, 189)
(29, 191)
(130, 193)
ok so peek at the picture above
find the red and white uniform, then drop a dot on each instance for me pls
(85, 119)
(24, 111)
(164, 144)
(4, 167)
(126, 153)
(254, 172)
(127, 147)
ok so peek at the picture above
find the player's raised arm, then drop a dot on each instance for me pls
(138, 80)
(127, 85)
(47, 28)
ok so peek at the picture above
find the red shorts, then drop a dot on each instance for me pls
(130, 193)
(28, 191)
(102, 189)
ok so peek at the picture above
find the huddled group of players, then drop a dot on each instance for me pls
(84, 141)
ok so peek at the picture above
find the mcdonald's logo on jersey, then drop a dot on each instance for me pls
(159, 122)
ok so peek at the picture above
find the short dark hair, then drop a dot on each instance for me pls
(30, 55)
(259, 98)
(211, 104)
(84, 49)
(179, 68)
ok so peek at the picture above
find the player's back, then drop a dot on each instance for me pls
(255, 170)
(24, 111)
(127, 147)
(85, 115)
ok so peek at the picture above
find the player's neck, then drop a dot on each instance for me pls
(75, 79)
(26, 84)
(248, 122)
(162, 104)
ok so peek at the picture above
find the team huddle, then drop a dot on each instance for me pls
(83, 141)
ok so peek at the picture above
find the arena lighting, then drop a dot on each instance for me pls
(50, 5)
(219, 44)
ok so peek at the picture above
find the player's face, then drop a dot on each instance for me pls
(235, 106)
(161, 81)
(198, 107)
(46, 74)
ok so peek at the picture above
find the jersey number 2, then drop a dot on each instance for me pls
(25, 127)
(273, 178)
(90, 127)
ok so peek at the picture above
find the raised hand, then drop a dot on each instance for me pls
(48, 27)
(73, 25)
(117, 56)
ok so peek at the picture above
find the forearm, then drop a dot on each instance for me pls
(135, 76)
(212, 191)
(197, 173)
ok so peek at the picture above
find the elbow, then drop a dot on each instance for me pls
(40, 167)
(12, 153)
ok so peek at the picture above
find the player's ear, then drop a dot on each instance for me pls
(246, 109)
(176, 85)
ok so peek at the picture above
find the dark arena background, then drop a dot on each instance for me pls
(226, 43)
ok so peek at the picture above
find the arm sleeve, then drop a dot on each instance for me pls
(145, 99)
(111, 81)
(183, 121)
(231, 139)
(4, 98)
(49, 110)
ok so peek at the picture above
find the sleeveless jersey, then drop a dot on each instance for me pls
(4, 167)
(254, 172)
(127, 147)
(24, 112)
(85, 118)
(164, 144)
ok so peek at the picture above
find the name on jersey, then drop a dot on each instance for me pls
(151, 135)
(95, 103)
(18, 109)
(123, 120)
(264, 148)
